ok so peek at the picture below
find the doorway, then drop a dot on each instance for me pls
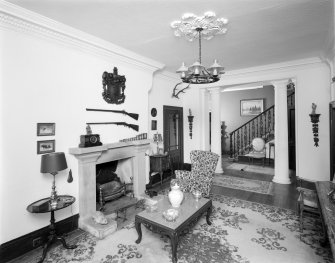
(173, 135)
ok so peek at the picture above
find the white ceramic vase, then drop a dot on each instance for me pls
(176, 196)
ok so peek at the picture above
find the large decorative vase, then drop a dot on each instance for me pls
(176, 196)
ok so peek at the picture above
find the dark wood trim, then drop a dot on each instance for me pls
(21, 245)
(180, 110)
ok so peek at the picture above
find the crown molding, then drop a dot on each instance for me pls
(167, 75)
(276, 66)
(17, 18)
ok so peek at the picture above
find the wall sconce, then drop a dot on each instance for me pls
(190, 122)
(315, 120)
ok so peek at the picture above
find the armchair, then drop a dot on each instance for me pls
(203, 164)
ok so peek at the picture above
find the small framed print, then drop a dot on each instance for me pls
(153, 125)
(46, 129)
(251, 107)
(47, 146)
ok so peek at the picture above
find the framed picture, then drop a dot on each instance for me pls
(251, 107)
(47, 146)
(153, 125)
(46, 129)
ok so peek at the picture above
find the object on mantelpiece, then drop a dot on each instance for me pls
(315, 126)
(116, 84)
(190, 122)
(141, 136)
(89, 139)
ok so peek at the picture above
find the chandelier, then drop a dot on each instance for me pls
(192, 27)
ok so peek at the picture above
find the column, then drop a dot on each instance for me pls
(204, 111)
(216, 126)
(281, 134)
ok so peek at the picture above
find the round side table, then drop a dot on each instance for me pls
(43, 206)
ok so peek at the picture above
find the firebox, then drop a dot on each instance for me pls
(109, 186)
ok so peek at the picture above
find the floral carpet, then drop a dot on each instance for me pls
(241, 232)
(257, 186)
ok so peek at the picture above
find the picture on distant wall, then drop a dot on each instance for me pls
(45, 146)
(251, 107)
(46, 129)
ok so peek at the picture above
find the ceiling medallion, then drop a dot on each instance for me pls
(192, 27)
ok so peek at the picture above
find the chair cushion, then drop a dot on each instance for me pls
(310, 197)
(256, 154)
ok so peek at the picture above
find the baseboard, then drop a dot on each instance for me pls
(21, 245)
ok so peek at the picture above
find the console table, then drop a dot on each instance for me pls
(327, 206)
(159, 163)
(43, 206)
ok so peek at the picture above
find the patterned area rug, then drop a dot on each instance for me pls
(251, 168)
(257, 186)
(241, 232)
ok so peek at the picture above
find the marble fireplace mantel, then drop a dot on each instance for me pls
(134, 152)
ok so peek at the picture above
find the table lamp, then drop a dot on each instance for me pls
(53, 163)
(158, 139)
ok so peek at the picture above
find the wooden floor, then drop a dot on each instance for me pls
(284, 196)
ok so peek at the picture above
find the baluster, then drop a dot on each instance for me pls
(273, 119)
(249, 141)
(238, 142)
(265, 128)
(231, 144)
(261, 125)
(253, 130)
(234, 144)
(245, 139)
(269, 122)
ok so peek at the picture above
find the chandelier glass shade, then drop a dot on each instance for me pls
(192, 27)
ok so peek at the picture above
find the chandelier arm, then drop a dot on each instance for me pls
(174, 94)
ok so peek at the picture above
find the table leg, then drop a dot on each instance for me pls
(61, 239)
(209, 211)
(174, 244)
(45, 247)
(139, 231)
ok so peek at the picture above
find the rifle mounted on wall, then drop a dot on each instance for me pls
(132, 115)
(129, 125)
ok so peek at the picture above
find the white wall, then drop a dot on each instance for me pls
(160, 95)
(46, 80)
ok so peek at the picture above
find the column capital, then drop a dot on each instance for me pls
(215, 90)
(280, 83)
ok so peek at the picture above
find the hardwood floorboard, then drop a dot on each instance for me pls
(283, 195)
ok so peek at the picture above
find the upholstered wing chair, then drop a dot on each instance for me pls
(203, 164)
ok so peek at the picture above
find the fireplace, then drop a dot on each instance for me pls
(109, 185)
(132, 166)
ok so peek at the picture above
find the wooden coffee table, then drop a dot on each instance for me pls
(189, 213)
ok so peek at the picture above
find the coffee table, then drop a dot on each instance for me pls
(189, 213)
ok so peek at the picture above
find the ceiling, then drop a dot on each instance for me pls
(259, 32)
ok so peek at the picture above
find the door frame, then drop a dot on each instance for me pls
(181, 127)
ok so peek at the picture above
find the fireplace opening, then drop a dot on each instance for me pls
(112, 191)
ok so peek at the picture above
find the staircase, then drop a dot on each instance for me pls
(261, 126)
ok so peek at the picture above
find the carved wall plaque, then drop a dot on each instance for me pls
(113, 86)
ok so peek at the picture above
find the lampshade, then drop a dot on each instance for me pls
(53, 162)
